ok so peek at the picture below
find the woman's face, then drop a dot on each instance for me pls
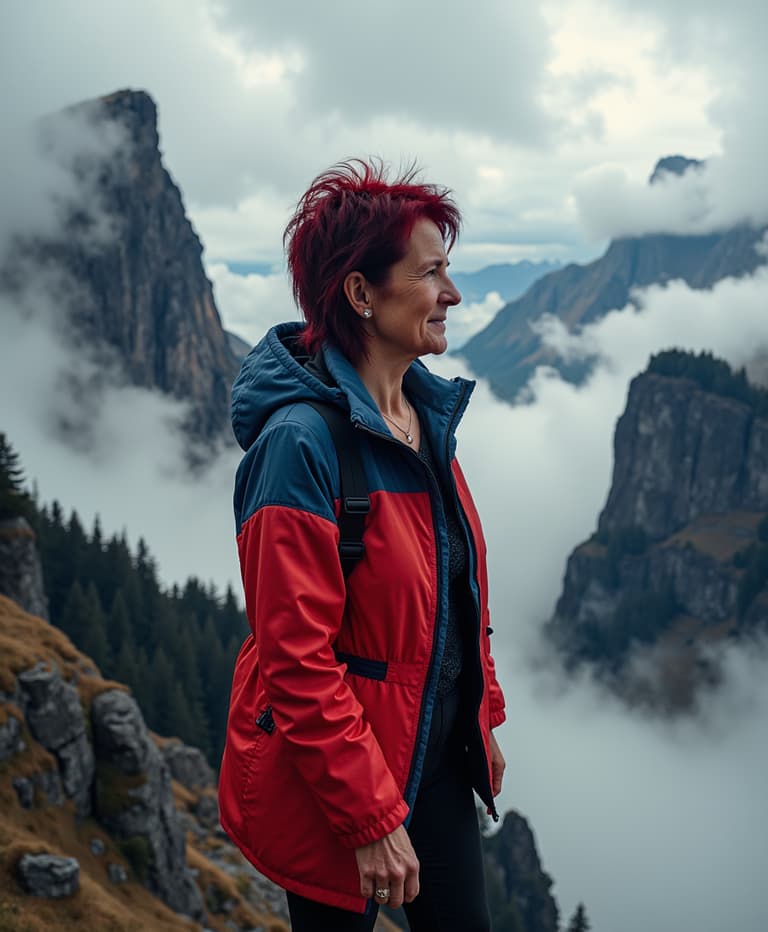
(410, 307)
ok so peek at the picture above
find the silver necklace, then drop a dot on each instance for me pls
(407, 431)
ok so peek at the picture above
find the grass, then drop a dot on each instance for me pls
(99, 904)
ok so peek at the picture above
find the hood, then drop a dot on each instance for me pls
(273, 374)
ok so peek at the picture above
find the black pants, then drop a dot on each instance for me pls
(446, 838)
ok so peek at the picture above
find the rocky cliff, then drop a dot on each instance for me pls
(141, 290)
(21, 575)
(507, 351)
(518, 887)
(680, 557)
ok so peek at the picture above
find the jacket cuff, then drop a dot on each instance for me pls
(497, 717)
(378, 830)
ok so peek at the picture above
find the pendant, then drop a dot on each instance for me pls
(409, 438)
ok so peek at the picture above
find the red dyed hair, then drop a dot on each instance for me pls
(351, 219)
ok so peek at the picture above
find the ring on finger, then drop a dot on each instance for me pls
(382, 893)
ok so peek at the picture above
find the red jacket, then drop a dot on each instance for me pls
(333, 690)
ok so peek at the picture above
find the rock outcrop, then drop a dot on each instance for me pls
(55, 718)
(518, 887)
(21, 576)
(188, 765)
(133, 800)
(680, 557)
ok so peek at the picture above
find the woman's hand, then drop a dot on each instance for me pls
(497, 765)
(390, 864)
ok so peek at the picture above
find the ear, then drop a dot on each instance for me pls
(358, 292)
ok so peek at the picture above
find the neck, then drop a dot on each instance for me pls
(384, 381)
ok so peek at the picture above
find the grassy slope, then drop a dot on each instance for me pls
(99, 904)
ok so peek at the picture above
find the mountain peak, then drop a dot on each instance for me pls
(673, 165)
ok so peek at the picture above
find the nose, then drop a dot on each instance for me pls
(451, 292)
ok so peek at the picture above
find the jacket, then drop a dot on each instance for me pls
(333, 690)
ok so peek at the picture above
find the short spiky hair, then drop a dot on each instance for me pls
(352, 219)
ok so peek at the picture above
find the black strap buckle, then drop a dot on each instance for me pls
(351, 550)
(357, 506)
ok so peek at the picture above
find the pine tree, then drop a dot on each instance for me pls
(233, 621)
(119, 624)
(125, 668)
(145, 623)
(93, 636)
(579, 921)
(73, 613)
(14, 501)
(162, 677)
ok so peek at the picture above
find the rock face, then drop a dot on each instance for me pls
(680, 557)
(55, 718)
(507, 351)
(681, 452)
(133, 800)
(188, 765)
(514, 868)
(21, 575)
(143, 292)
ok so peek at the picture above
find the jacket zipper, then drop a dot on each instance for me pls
(431, 670)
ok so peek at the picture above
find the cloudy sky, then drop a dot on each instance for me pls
(546, 120)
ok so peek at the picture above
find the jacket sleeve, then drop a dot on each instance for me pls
(495, 695)
(295, 596)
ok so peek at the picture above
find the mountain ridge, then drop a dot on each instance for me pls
(507, 350)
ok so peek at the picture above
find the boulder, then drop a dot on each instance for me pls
(49, 875)
(117, 873)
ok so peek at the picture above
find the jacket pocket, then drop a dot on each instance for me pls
(363, 666)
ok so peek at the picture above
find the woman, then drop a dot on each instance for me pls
(350, 783)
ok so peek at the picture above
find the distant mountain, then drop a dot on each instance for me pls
(507, 351)
(680, 556)
(143, 295)
(508, 279)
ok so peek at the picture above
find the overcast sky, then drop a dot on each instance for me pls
(546, 119)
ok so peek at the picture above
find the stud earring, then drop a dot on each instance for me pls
(367, 312)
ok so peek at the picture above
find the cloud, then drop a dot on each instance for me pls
(726, 41)
(405, 60)
(250, 304)
(464, 321)
(721, 194)
(128, 466)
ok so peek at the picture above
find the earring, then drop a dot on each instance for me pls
(367, 312)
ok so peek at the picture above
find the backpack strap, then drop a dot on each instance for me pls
(353, 491)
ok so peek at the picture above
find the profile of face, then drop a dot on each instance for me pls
(411, 305)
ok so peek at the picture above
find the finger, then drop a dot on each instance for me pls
(366, 885)
(383, 890)
(411, 886)
(396, 893)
